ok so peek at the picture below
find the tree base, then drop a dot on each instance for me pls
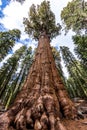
(44, 114)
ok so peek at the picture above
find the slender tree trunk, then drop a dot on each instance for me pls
(3, 86)
(43, 100)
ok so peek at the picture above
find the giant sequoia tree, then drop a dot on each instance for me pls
(43, 99)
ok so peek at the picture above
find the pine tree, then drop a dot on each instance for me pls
(81, 48)
(7, 41)
(18, 79)
(74, 16)
(9, 68)
(76, 72)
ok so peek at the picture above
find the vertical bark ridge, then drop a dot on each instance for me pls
(64, 100)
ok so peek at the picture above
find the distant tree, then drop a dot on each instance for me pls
(18, 78)
(74, 16)
(7, 41)
(75, 70)
(81, 48)
(9, 68)
(73, 88)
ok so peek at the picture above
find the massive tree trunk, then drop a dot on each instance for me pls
(43, 100)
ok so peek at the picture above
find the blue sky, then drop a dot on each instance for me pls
(3, 4)
(11, 16)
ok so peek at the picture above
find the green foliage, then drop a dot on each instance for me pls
(81, 48)
(14, 73)
(9, 68)
(74, 16)
(41, 19)
(73, 88)
(76, 72)
(7, 41)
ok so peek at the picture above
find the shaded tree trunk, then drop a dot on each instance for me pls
(43, 100)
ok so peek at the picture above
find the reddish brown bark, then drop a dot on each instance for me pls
(43, 101)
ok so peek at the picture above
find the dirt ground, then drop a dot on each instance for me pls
(80, 124)
(75, 125)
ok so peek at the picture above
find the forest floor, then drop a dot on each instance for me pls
(78, 124)
(81, 123)
(75, 125)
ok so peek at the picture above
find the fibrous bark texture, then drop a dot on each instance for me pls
(43, 100)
